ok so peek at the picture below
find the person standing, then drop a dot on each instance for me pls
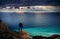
(20, 26)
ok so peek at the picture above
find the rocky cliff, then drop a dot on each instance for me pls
(5, 33)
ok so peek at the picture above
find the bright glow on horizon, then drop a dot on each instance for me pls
(8, 7)
(37, 9)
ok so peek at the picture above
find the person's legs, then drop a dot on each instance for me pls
(21, 29)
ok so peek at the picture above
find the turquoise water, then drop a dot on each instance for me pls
(41, 31)
(40, 24)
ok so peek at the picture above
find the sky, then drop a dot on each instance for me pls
(31, 2)
(46, 5)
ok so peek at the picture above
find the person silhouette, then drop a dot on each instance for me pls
(20, 26)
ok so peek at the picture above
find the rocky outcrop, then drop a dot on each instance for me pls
(3, 27)
(23, 35)
(5, 33)
(51, 37)
(54, 37)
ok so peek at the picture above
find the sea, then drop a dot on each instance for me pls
(35, 24)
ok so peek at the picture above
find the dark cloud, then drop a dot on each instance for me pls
(30, 2)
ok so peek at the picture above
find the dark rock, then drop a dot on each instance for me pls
(51, 37)
(5, 33)
(37, 37)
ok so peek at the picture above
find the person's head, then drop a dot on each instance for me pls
(20, 24)
(0, 20)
